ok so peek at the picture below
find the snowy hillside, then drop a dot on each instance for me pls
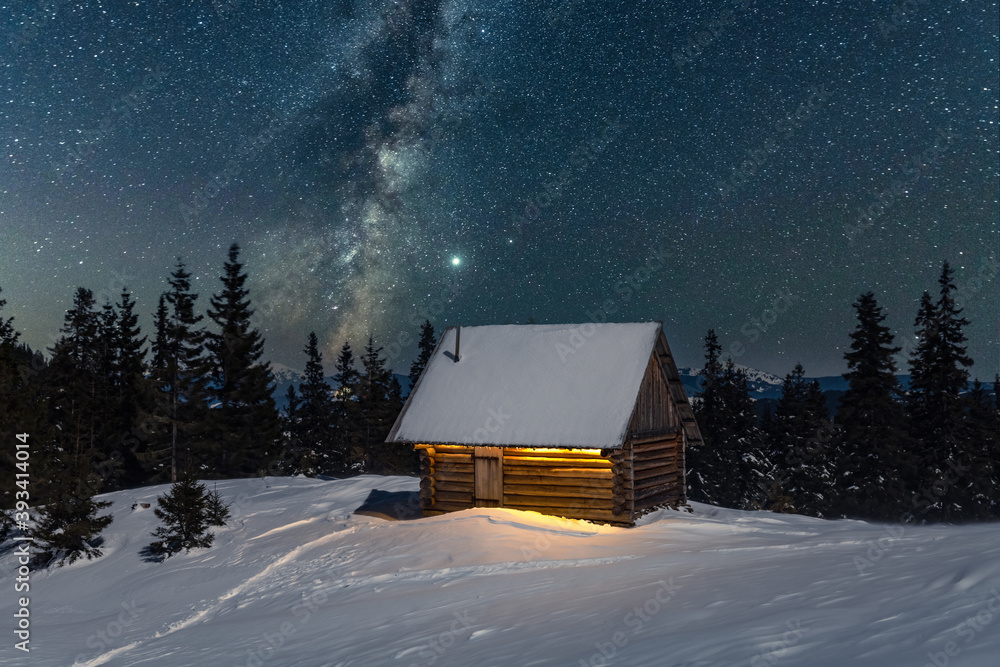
(299, 580)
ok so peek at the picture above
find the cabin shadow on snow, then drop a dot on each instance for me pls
(391, 505)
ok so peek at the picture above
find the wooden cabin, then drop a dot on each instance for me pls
(582, 421)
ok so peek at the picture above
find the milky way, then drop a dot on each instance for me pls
(695, 163)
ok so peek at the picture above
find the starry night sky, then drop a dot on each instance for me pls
(701, 163)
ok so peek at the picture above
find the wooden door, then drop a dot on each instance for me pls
(488, 477)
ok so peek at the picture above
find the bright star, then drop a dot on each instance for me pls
(455, 261)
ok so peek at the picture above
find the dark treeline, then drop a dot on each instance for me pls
(927, 453)
(113, 408)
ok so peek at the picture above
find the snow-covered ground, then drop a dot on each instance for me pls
(297, 579)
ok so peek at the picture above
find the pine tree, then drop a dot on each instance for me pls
(731, 467)
(425, 346)
(216, 509)
(71, 382)
(979, 491)
(802, 442)
(67, 524)
(317, 448)
(346, 415)
(180, 369)
(705, 466)
(135, 398)
(184, 511)
(378, 403)
(870, 443)
(748, 471)
(935, 406)
(245, 423)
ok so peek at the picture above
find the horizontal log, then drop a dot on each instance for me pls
(622, 498)
(592, 473)
(642, 475)
(665, 434)
(453, 449)
(448, 476)
(569, 503)
(552, 462)
(650, 482)
(426, 452)
(642, 494)
(550, 480)
(560, 454)
(426, 482)
(666, 446)
(451, 496)
(649, 464)
(604, 516)
(455, 467)
(427, 493)
(452, 458)
(557, 491)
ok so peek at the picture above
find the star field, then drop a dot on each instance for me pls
(558, 161)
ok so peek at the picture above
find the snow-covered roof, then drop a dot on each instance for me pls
(530, 385)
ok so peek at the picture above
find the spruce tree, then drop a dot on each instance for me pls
(425, 347)
(244, 424)
(748, 471)
(314, 434)
(379, 402)
(803, 451)
(979, 491)
(870, 444)
(180, 369)
(704, 463)
(935, 406)
(184, 511)
(346, 415)
(135, 398)
(68, 526)
(71, 383)
(730, 468)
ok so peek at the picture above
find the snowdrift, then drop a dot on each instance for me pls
(298, 579)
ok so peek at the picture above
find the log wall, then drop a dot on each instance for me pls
(575, 483)
(654, 411)
(658, 477)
